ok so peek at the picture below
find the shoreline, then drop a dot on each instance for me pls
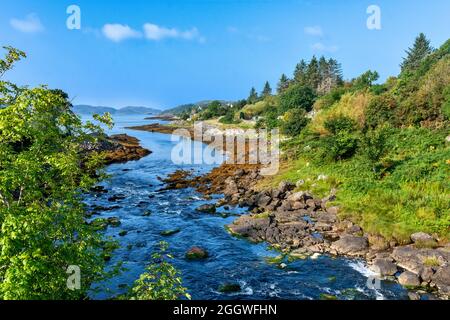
(301, 226)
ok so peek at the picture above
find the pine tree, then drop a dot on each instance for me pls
(253, 97)
(267, 91)
(313, 73)
(420, 50)
(283, 84)
(300, 72)
(336, 71)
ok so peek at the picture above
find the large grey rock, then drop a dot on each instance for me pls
(414, 259)
(231, 187)
(442, 279)
(207, 208)
(409, 279)
(421, 237)
(286, 186)
(384, 267)
(351, 245)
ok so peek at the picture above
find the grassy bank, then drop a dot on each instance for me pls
(405, 192)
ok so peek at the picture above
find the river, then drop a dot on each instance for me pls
(231, 259)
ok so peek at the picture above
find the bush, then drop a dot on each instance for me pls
(297, 97)
(374, 143)
(340, 123)
(326, 101)
(269, 121)
(229, 117)
(342, 145)
(381, 109)
(294, 122)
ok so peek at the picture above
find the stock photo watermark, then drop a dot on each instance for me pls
(73, 22)
(374, 20)
(74, 278)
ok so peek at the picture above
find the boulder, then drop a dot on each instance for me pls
(423, 240)
(384, 267)
(168, 233)
(442, 279)
(207, 208)
(263, 199)
(409, 279)
(114, 222)
(286, 186)
(351, 245)
(229, 287)
(196, 253)
(421, 237)
(231, 187)
(378, 243)
(426, 274)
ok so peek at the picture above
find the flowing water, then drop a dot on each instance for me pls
(231, 260)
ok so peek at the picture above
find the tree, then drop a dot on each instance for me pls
(215, 109)
(300, 75)
(43, 173)
(415, 55)
(330, 75)
(253, 96)
(294, 122)
(313, 73)
(365, 80)
(283, 84)
(297, 97)
(267, 91)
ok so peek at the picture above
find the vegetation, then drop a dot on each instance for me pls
(43, 230)
(44, 171)
(382, 146)
(161, 281)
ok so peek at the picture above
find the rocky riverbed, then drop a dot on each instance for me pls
(301, 226)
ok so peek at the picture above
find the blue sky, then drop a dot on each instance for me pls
(165, 53)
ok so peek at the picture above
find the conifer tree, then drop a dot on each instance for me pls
(253, 97)
(267, 91)
(414, 56)
(283, 84)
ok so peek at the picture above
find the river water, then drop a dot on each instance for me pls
(231, 260)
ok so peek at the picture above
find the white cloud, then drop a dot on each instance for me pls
(30, 24)
(119, 32)
(314, 31)
(155, 33)
(320, 47)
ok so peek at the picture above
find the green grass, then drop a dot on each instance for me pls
(405, 192)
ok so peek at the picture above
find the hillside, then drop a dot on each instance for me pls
(188, 107)
(382, 150)
(131, 110)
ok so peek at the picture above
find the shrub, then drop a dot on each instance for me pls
(381, 109)
(269, 120)
(342, 145)
(340, 123)
(294, 122)
(374, 143)
(351, 105)
(297, 97)
(326, 101)
(160, 281)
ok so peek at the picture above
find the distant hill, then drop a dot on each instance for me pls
(182, 108)
(131, 110)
